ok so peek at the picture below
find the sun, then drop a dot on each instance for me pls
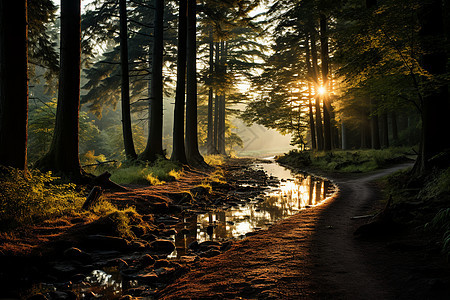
(322, 90)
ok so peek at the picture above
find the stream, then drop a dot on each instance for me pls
(295, 191)
(286, 194)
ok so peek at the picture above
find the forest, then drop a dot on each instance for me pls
(144, 149)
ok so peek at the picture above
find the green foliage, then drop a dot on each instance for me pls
(345, 161)
(41, 126)
(438, 187)
(27, 197)
(156, 173)
(441, 223)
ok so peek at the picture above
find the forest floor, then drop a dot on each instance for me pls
(315, 255)
(311, 255)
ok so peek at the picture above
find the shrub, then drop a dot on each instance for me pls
(27, 197)
(441, 223)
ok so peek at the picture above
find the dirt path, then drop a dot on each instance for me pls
(310, 255)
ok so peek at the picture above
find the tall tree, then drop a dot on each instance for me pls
(210, 131)
(191, 140)
(155, 130)
(63, 154)
(325, 83)
(130, 152)
(13, 84)
(435, 101)
(178, 153)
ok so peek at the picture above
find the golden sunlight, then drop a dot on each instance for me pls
(322, 90)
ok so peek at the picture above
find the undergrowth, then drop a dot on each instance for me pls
(27, 197)
(156, 173)
(345, 161)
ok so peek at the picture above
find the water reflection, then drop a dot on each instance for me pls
(295, 192)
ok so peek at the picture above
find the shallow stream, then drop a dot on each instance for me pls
(296, 191)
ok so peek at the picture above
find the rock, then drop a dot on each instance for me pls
(161, 226)
(210, 253)
(226, 246)
(164, 272)
(147, 260)
(149, 237)
(77, 255)
(161, 263)
(194, 246)
(107, 242)
(164, 246)
(148, 278)
(139, 245)
(64, 268)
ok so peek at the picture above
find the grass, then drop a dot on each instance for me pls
(28, 197)
(159, 172)
(345, 161)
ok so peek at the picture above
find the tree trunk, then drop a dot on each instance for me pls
(365, 132)
(62, 157)
(312, 126)
(375, 131)
(315, 69)
(14, 84)
(326, 99)
(216, 104)
(222, 99)
(385, 129)
(178, 153)
(344, 136)
(155, 130)
(436, 104)
(394, 127)
(210, 133)
(130, 152)
(216, 123)
(191, 141)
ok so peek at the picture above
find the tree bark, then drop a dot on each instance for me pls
(62, 157)
(315, 69)
(155, 131)
(436, 104)
(210, 134)
(216, 103)
(312, 126)
(13, 84)
(375, 131)
(178, 153)
(222, 99)
(326, 99)
(191, 140)
(385, 129)
(394, 126)
(130, 152)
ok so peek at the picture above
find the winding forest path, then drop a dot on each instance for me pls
(310, 255)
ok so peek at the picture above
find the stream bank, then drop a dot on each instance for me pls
(182, 228)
